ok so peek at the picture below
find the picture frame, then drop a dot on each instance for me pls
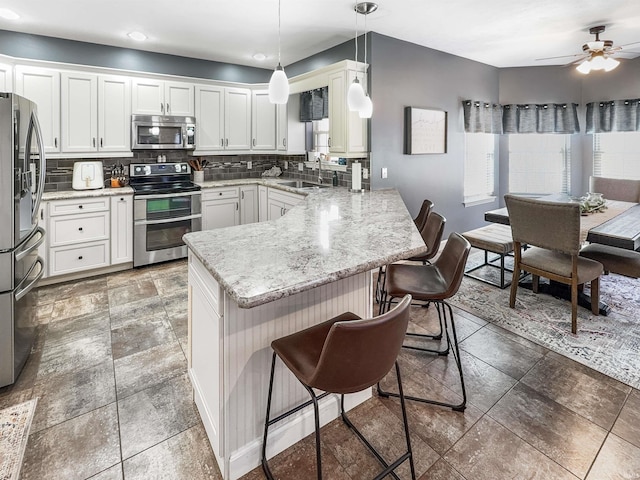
(425, 131)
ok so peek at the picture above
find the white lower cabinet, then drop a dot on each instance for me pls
(121, 229)
(220, 207)
(280, 202)
(263, 200)
(248, 204)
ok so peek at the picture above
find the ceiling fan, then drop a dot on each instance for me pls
(597, 54)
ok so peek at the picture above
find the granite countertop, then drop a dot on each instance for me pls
(99, 192)
(330, 235)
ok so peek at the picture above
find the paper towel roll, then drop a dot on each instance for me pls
(356, 176)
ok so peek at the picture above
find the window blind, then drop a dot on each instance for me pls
(479, 166)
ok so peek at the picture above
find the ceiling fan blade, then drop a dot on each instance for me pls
(561, 56)
(627, 44)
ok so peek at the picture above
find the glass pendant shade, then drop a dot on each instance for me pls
(355, 96)
(279, 86)
(367, 110)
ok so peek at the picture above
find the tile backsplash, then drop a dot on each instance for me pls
(220, 167)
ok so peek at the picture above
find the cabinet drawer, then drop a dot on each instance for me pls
(83, 228)
(218, 193)
(75, 258)
(80, 205)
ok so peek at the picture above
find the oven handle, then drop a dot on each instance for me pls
(167, 220)
(166, 195)
(21, 292)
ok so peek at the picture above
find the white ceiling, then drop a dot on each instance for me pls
(502, 33)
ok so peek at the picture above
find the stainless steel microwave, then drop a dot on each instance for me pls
(155, 132)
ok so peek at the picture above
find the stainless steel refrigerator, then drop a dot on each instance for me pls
(22, 174)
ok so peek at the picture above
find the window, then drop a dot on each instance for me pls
(615, 155)
(539, 163)
(479, 168)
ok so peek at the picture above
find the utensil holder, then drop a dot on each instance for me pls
(198, 176)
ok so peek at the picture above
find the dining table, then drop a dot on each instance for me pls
(616, 224)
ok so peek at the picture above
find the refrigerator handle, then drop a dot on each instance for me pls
(31, 248)
(22, 291)
(35, 125)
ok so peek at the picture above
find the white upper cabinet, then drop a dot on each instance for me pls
(79, 102)
(95, 113)
(237, 119)
(157, 97)
(337, 113)
(6, 78)
(263, 121)
(42, 86)
(282, 126)
(114, 113)
(209, 118)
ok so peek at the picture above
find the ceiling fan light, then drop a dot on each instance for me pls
(355, 96)
(584, 67)
(596, 45)
(367, 110)
(279, 86)
(597, 61)
(610, 64)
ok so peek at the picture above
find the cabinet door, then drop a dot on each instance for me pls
(210, 118)
(114, 114)
(121, 229)
(220, 213)
(237, 119)
(42, 86)
(275, 209)
(179, 99)
(337, 113)
(79, 104)
(248, 204)
(6, 77)
(263, 121)
(282, 126)
(263, 203)
(147, 97)
(356, 128)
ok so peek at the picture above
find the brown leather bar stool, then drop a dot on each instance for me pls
(423, 214)
(434, 283)
(343, 355)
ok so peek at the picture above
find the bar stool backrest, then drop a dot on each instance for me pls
(359, 353)
(451, 263)
(432, 234)
(423, 214)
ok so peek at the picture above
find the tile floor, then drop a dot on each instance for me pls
(109, 370)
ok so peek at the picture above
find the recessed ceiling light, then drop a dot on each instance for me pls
(259, 56)
(8, 14)
(138, 36)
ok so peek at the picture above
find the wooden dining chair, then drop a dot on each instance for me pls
(552, 232)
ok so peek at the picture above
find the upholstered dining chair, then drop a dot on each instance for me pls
(344, 355)
(621, 189)
(552, 232)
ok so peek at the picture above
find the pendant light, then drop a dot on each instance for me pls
(279, 83)
(355, 94)
(365, 8)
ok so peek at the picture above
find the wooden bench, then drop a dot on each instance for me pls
(494, 238)
(613, 259)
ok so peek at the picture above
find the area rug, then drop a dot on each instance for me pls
(609, 344)
(15, 422)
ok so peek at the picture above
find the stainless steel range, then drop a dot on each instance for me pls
(166, 206)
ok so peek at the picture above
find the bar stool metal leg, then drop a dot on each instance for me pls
(444, 311)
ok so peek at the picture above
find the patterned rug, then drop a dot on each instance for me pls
(610, 344)
(15, 422)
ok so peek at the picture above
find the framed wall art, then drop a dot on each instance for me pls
(425, 131)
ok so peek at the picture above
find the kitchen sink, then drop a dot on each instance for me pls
(301, 184)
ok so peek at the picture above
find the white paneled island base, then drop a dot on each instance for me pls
(251, 284)
(231, 358)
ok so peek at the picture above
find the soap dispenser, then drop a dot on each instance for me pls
(334, 178)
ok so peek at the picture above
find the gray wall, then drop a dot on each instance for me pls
(560, 84)
(404, 74)
(37, 47)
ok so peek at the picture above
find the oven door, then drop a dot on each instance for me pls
(160, 222)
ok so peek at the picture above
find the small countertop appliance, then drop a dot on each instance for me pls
(87, 176)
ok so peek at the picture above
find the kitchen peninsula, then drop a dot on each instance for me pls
(251, 284)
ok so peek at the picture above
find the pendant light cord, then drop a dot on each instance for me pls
(356, 39)
(365, 53)
(279, 22)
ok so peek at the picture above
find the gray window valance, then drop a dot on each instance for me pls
(482, 117)
(613, 116)
(541, 118)
(314, 105)
(527, 118)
